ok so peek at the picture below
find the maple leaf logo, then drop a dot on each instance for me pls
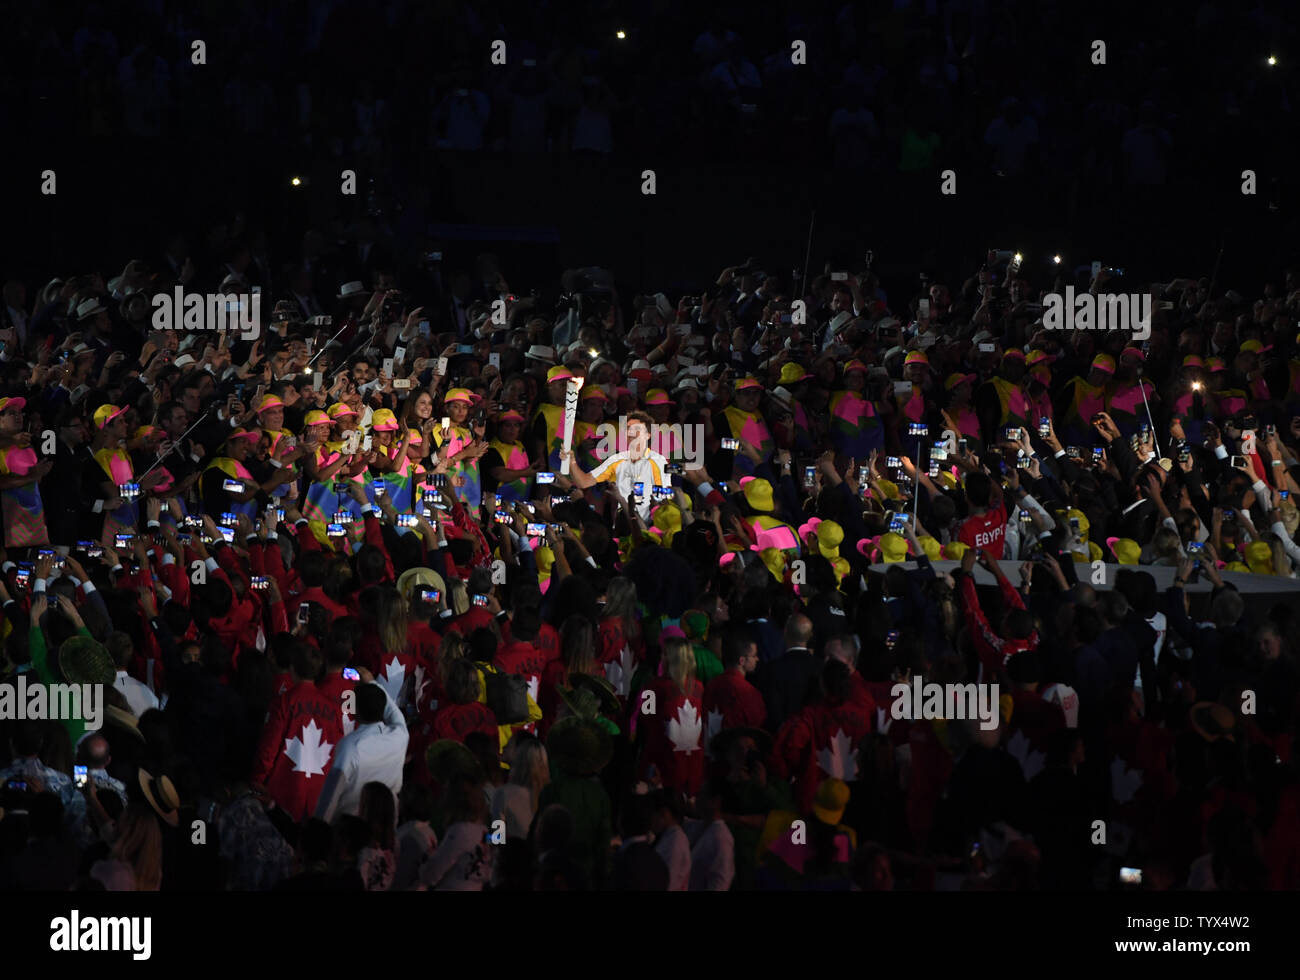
(684, 730)
(393, 678)
(421, 683)
(308, 753)
(837, 760)
(1124, 782)
(1023, 751)
(619, 672)
(714, 726)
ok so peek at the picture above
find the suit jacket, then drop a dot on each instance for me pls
(788, 683)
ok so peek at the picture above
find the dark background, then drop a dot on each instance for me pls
(146, 144)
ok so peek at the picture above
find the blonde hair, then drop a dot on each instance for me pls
(459, 597)
(679, 661)
(392, 613)
(1165, 544)
(530, 766)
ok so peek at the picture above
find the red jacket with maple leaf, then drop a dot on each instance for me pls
(524, 659)
(674, 736)
(334, 686)
(819, 742)
(739, 702)
(297, 748)
(613, 637)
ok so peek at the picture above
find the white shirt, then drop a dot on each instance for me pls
(674, 847)
(373, 753)
(713, 859)
(138, 696)
(625, 472)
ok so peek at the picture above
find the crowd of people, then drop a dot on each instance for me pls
(614, 593)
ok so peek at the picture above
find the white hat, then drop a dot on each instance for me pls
(981, 337)
(540, 352)
(886, 322)
(1067, 699)
(350, 289)
(185, 360)
(639, 365)
(90, 307)
(841, 318)
(687, 384)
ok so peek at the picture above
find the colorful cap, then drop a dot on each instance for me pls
(510, 416)
(458, 395)
(893, 547)
(1132, 352)
(316, 417)
(830, 802)
(1191, 360)
(269, 401)
(916, 357)
(1104, 362)
(558, 373)
(105, 414)
(1259, 557)
(1014, 352)
(957, 379)
(250, 434)
(383, 420)
(339, 410)
(829, 537)
(1251, 346)
(1126, 550)
(743, 384)
(657, 396)
(759, 495)
(593, 393)
(18, 403)
(855, 365)
(792, 373)
(1216, 364)
(416, 438)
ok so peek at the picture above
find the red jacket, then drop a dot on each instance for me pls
(994, 651)
(297, 748)
(334, 687)
(456, 721)
(674, 736)
(738, 702)
(820, 742)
